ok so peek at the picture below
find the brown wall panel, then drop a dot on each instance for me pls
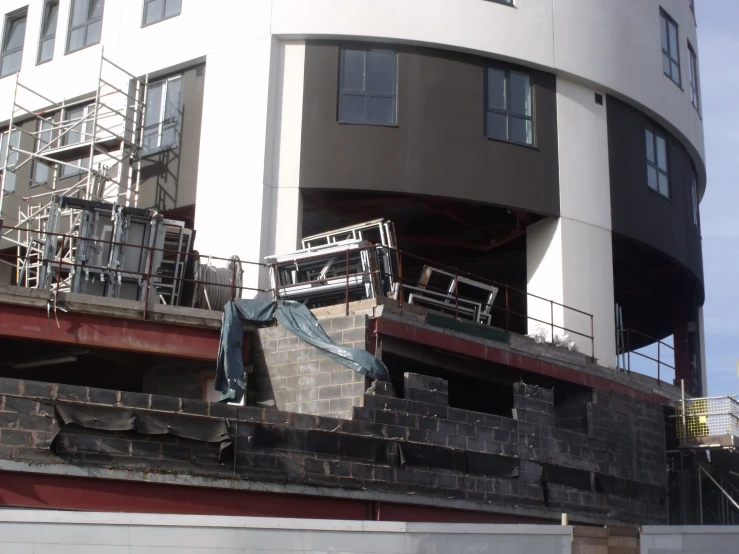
(438, 146)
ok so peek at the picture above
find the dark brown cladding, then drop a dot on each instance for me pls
(438, 146)
(638, 212)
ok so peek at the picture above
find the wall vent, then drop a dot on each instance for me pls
(200, 71)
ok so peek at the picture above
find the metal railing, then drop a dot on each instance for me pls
(509, 315)
(707, 417)
(511, 295)
(665, 353)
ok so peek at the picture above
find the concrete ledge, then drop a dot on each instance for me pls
(233, 522)
(263, 486)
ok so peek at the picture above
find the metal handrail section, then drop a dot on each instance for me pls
(67, 265)
(660, 360)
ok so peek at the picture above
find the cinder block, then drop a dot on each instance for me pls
(72, 393)
(340, 405)
(36, 389)
(338, 323)
(328, 365)
(352, 390)
(309, 367)
(343, 377)
(10, 386)
(354, 335)
(290, 342)
(305, 395)
(329, 392)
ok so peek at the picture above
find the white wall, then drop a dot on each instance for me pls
(196, 32)
(585, 208)
(49, 532)
(614, 44)
(569, 262)
(685, 539)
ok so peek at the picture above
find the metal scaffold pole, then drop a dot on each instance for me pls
(93, 143)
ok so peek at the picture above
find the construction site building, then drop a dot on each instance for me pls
(497, 200)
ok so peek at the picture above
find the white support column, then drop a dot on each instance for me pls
(248, 200)
(570, 259)
(283, 174)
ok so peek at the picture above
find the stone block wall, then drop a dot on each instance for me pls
(414, 450)
(296, 377)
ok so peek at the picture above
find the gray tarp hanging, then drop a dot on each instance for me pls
(297, 319)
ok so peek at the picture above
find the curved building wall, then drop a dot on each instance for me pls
(615, 45)
(438, 146)
(638, 212)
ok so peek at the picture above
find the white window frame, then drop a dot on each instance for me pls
(658, 133)
(693, 66)
(12, 157)
(694, 194)
(162, 121)
(9, 20)
(164, 17)
(508, 110)
(48, 5)
(365, 92)
(86, 132)
(665, 22)
(39, 144)
(84, 25)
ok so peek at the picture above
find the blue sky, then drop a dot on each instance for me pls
(718, 54)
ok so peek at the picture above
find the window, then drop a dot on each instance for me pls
(367, 87)
(12, 156)
(44, 136)
(694, 97)
(13, 36)
(670, 53)
(509, 112)
(163, 116)
(85, 24)
(75, 167)
(657, 174)
(82, 131)
(48, 32)
(159, 10)
(694, 193)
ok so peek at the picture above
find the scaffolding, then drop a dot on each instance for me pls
(88, 148)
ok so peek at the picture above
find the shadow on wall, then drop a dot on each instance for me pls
(160, 182)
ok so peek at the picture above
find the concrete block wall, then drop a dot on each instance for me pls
(295, 377)
(419, 449)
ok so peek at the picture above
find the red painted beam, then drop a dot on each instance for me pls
(474, 349)
(34, 490)
(80, 329)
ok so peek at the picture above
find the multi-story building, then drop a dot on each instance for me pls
(553, 148)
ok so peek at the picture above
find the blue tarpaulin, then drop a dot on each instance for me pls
(297, 319)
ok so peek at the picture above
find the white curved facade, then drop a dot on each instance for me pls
(611, 45)
(254, 51)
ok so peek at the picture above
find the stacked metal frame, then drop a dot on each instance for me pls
(449, 293)
(115, 251)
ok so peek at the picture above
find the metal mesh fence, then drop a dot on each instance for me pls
(707, 417)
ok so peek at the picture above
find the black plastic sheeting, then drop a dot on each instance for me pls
(297, 319)
(147, 423)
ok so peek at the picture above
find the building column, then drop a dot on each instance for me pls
(571, 264)
(570, 258)
(248, 201)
